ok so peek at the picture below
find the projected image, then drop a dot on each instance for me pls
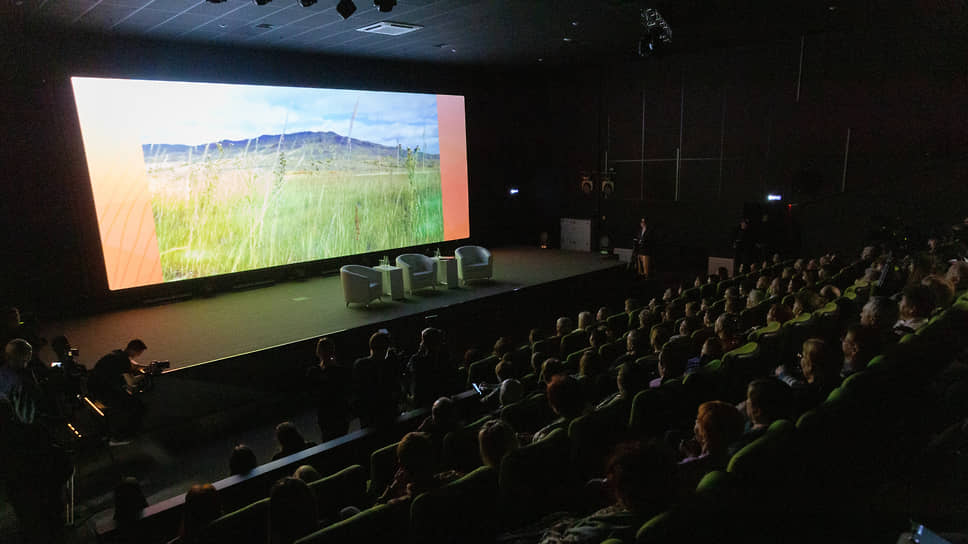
(239, 177)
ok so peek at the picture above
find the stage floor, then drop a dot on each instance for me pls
(230, 324)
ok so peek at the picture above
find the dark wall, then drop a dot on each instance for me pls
(741, 129)
(51, 247)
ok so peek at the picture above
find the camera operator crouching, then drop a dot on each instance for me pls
(117, 381)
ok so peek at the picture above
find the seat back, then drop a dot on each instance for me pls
(594, 435)
(383, 463)
(464, 510)
(618, 323)
(472, 254)
(537, 479)
(249, 524)
(346, 487)
(382, 523)
(612, 351)
(460, 448)
(573, 342)
(416, 262)
(482, 371)
(528, 415)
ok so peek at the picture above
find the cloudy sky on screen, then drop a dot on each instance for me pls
(169, 112)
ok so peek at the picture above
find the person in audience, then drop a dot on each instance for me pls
(242, 460)
(585, 320)
(691, 309)
(550, 368)
(658, 337)
(941, 288)
(631, 379)
(805, 303)
(377, 378)
(537, 359)
(502, 346)
(672, 365)
(712, 349)
(763, 283)
(779, 313)
(129, 502)
(595, 382)
(728, 330)
(673, 311)
(647, 319)
(734, 306)
(307, 473)
(917, 304)
(776, 288)
(957, 274)
(718, 424)
(640, 479)
(292, 511)
(290, 440)
(566, 401)
(430, 372)
(495, 440)
(563, 326)
(631, 304)
(329, 384)
(755, 297)
(504, 369)
(634, 347)
(794, 285)
(16, 385)
(860, 344)
(511, 391)
(535, 335)
(743, 245)
(601, 316)
(202, 506)
(688, 326)
(829, 293)
(416, 473)
(767, 400)
(820, 368)
(442, 420)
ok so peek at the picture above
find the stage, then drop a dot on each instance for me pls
(232, 324)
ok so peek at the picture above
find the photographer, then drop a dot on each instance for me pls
(115, 380)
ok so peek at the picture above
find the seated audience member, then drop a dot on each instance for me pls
(641, 481)
(415, 469)
(377, 382)
(941, 288)
(129, 502)
(767, 400)
(917, 304)
(495, 440)
(594, 380)
(307, 473)
(502, 346)
(550, 368)
(859, 345)
(658, 337)
(647, 319)
(673, 311)
(597, 338)
(805, 303)
(775, 290)
(534, 335)
(728, 331)
(563, 326)
(505, 370)
(511, 391)
(688, 326)
(957, 274)
(631, 379)
(202, 506)
(442, 420)
(566, 401)
(821, 375)
(585, 320)
(242, 460)
(734, 306)
(755, 297)
(672, 365)
(692, 309)
(778, 313)
(829, 293)
(630, 305)
(601, 316)
(292, 511)
(712, 349)
(634, 347)
(290, 440)
(537, 359)
(430, 371)
(329, 384)
(718, 424)
(763, 283)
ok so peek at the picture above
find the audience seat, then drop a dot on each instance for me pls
(465, 510)
(594, 435)
(708, 290)
(740, 366)
(482, 371)
(383, 463)
(548, 346)
(345, 488)
(536, 480)
(618, 323)
(612, 351)
(245, 525)
(656, 410)
(460, 448)
(528, 415)
(381, 523)
(572, 342)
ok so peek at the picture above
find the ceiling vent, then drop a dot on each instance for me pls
(389, 29)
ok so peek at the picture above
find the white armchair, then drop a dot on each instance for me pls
(360, 283)
(419, 271)
(473, 263)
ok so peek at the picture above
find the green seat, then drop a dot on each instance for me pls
(482, 371)
(383, 463)
(460, 448)
(572, 342)
(656, 410)
(612, 351)
(521, 357)
(691, 295)
(797, 330)
(618, 323)
(633, 317)
(573, 360)
(548, 346)
(528, 415)
(740, 366)
(708, 290)
(346, 487)
(722, 286)
(382, 523)
(594, 435)
(464, 510)
(718, 306)
(537, 479)
(828, 321)
(245, 525)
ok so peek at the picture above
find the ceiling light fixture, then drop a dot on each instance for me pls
(306, 3)
(215, 1)
(346, 8)
(261, 2)
(386, 6)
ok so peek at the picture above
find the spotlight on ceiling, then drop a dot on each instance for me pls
(306, 3)
(215, 1)
(261, 2)
(346, 8)
(386, 6)
(656, 33)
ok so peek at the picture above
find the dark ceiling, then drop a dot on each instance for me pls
(493, 32)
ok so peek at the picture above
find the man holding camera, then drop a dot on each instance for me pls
(115, 380)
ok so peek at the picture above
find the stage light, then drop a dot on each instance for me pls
(346, 8)
(513, 191)
(774, 198)
(306, 3)
(386, 6)
(543, 240)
